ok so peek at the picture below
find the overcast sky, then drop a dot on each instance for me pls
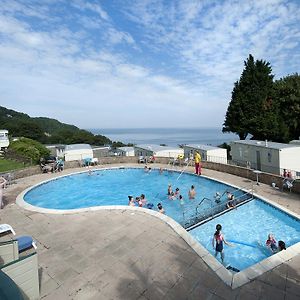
(119, 63)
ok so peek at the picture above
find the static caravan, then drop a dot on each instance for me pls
(103, 151)
(4, 141)
(125, 151)
(156, 150)
(57, 150)
(266, 156)
(208, 153)
(78, 152)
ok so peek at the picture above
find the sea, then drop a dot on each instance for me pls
(167, 136)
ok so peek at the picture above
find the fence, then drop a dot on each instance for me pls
(191, 218)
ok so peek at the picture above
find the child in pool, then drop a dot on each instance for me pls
(271, 243)
(219, 239)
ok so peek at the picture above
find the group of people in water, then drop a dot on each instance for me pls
(142, 202)
(218, 242)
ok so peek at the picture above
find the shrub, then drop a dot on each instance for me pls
(29, 149)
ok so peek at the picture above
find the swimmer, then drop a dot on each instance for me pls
(271, 243)
(160, 170)
(146, 169)
(169, 190)
(217, 197)
(177, 192)
(218, 239)
(230, 200)
(131, 201)
(192, 192)
(160, 208)
(172, 196)
(181, 201)
(143, 199)
(281, 246)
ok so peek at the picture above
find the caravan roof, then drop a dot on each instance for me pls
(266, 144)
(78, 147)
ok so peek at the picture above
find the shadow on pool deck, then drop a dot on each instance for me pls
(125, 255)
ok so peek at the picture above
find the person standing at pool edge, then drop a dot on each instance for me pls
(197, 163)
(219, 240)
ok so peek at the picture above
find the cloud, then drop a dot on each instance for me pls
(141, 63)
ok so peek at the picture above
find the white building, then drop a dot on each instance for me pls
(57, 150)
(125, 151)
(4, 141)
(295, 142)
(208, 153)
(156, 150)
(266, 156)
(78, 152)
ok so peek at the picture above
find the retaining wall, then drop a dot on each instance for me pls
(266, 178)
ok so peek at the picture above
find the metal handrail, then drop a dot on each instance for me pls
(205, 198)
(184, 169)
(211, 211)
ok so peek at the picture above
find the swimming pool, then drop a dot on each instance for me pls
(248, 227)
(113, 186)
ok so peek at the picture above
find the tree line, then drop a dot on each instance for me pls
(48, 131)
(262, 107)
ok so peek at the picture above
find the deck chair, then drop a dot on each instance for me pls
(5, 228)
(25, 242)
(288, 183)
(142, 160)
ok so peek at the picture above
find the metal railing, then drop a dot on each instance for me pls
(190, 219)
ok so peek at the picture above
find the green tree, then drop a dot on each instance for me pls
(287, 97)
(29, 149)
(246, 113)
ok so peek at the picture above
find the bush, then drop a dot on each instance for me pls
(29, 149)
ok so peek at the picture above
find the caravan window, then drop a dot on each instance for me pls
(3, 136)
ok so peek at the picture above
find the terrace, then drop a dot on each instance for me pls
(125, 254)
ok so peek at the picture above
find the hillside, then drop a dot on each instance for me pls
(46, 130)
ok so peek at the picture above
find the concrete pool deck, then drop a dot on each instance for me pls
(133, 255)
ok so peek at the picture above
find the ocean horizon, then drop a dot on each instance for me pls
(167, 136)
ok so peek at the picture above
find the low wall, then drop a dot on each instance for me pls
(266, 178)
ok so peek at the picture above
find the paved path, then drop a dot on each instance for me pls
(125, 255)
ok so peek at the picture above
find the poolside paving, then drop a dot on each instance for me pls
(121, 254)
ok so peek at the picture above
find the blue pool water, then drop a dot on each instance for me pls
(112, 187)
(250, 224)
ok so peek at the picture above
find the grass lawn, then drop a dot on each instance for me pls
(9, 165)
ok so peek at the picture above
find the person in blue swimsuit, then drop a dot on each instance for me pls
(219, 241)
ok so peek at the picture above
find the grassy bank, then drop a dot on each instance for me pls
(9, 165)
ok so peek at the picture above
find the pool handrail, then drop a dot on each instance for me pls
(214, 210)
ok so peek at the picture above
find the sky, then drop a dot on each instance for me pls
(143, 63)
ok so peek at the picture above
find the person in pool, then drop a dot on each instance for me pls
(281, 245)
(170, 189)
(160, 208)
(177, 192)
(218, 242)
(271, 243)
(192, 192)
(131, 201)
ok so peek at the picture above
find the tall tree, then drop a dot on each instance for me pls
(287, 95)
(246, 113)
